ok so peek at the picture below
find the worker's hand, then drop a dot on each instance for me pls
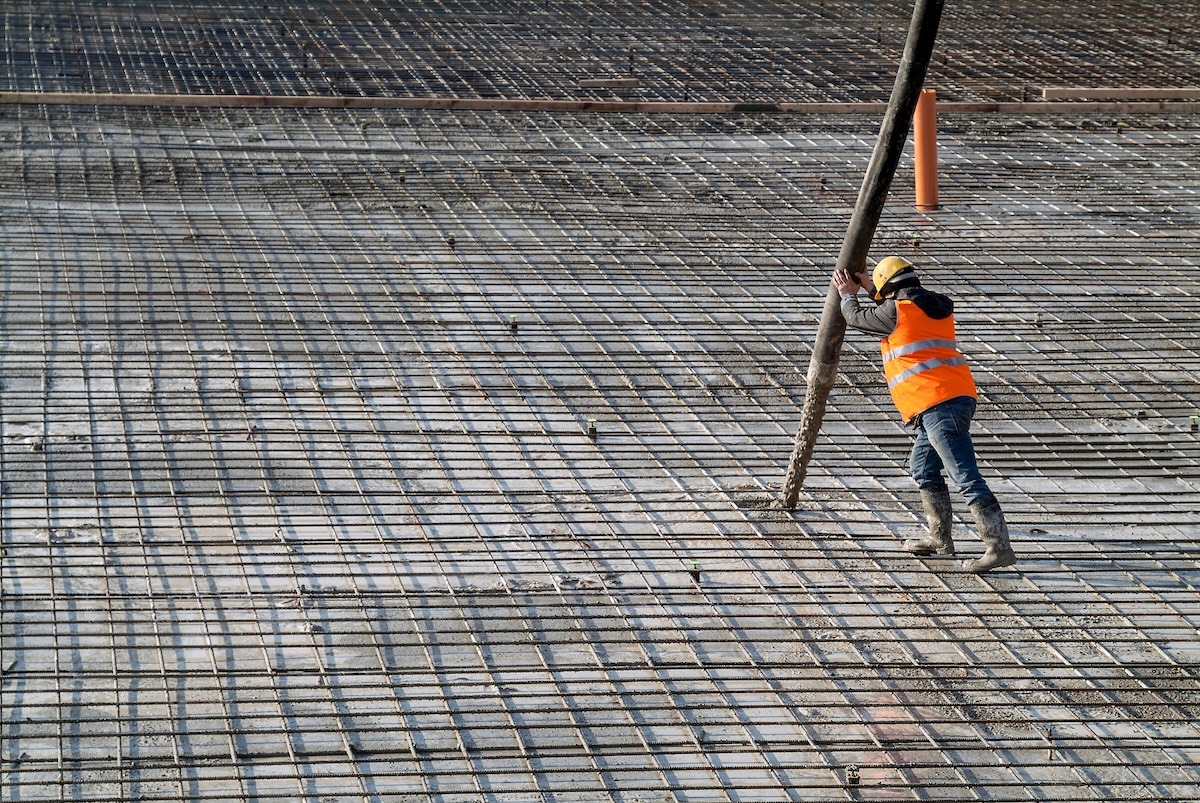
(845, 283)
(864, 279)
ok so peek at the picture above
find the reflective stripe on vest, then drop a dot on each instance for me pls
(922, 367)
(901, 351)
(922, 362)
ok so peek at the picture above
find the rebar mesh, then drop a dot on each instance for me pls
(821, 50)
(299, 501)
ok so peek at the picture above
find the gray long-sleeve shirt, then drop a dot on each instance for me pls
(877, 320)
(881, 319)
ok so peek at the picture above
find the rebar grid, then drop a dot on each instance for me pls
(299, 501)
(671, 50)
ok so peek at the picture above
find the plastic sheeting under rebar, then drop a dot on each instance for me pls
(299, 500)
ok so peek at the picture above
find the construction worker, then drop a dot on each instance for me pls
(932, 387)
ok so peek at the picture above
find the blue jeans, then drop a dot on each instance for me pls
(944, 441)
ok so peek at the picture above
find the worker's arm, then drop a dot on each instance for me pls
(877, 320)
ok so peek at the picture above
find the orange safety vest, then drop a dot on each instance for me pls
(922, 362)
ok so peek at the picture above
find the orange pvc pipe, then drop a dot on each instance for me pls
(925, 150)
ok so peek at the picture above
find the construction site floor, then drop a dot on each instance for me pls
(366, 455)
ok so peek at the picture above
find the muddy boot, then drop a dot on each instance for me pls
(935, 502)
(994, 532)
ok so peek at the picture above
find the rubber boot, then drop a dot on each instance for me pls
(935, 501)
(994, 532)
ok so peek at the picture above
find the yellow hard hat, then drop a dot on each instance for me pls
(887, 268)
